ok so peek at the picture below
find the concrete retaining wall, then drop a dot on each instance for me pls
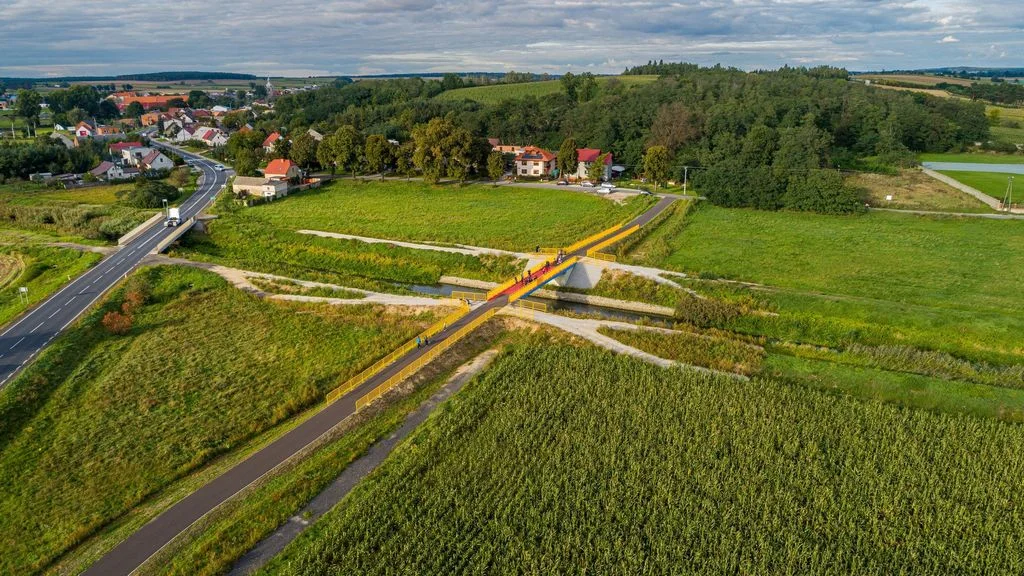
(138, 230)
(180, 231)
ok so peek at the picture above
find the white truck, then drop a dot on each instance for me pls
(173, 218)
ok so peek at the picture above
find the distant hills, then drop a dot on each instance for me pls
(975, 71)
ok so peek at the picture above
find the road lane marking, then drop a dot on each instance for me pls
(69, 301)
(18, 342)
(55, 312)
(32, 331)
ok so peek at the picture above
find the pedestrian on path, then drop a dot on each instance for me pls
(419, 343)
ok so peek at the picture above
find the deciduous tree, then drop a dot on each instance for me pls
(495, 165)
(568, 158)
(656, 164)
(379, 154)
(304, 150)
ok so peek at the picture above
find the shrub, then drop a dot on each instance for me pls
(706, 312)
(148, 194)
(117, 323)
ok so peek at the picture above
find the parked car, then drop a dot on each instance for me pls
(587, 184)
(563, 183)
(218, 167)
(607, 186)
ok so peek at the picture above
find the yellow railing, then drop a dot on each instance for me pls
(542, 279)
(530, 305)
(549, 251)
(613, 240)
(510, 283)
(379, 365)
(590, 239)
(602, 256)
(473, 296)
(422, 360)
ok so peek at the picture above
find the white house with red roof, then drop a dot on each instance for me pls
(535, 162)
(282, 169)
(117, 148)
(270, 141)
(155, 160)
(108, 171)
(588, 156)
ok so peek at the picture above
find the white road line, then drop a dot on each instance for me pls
(69, 301)
(32, 331)
(18, 342)
(55, 312)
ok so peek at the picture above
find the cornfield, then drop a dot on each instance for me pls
(572, 460)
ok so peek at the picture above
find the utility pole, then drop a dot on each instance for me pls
(686, 172)
(1008, 197)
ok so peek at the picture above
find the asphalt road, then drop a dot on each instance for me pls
(131, 553)
(26, 337)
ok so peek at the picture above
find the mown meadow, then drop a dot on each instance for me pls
(265, 238)
(566, 459)
(101, 422)
(498, 93)
(990, 183)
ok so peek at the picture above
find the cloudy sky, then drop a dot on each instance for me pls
(325, 37)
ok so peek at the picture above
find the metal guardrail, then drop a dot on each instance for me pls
(543, 279)
(529, 305)
(613, 240)
(412, 368)
(472, 296)
(591, 239)
(602, 256)
(379, 365)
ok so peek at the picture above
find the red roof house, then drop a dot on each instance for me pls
(270, 141)
(586, 157)
(282, 169)
(533, 161)
(117, 147)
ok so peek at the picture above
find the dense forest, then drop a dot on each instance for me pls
(766, 139)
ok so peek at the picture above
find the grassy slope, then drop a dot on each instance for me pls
(101, 422)
(43, 271)
(568, 460)
(914, 190)
(990, 183)
(499, 92)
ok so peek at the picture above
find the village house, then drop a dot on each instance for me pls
(282, 169)
(150, 118)
(315, 135)
(261, 187)
(156, 160)
(588, 156)
(535, 162)
(108, 171)
(85, 130)
(133, 156)
(497, 146)
(270, 142)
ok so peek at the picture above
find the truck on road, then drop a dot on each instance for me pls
(173, 218)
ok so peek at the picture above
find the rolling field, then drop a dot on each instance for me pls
(922, 79)
(991, 183)
(914, 190)
(99, 423)
(570, 460)
(497, 93)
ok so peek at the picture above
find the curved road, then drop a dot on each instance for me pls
(132, 552)
(26, 337)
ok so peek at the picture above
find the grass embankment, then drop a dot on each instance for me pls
(990, 183)
(242, 524)
(498, 93)
(41, 269)
(100, 422)
(645, 470)
(89, 215)
(914, 190)
(264, 238)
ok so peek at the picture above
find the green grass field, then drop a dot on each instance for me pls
(991, 183)
(99, 423)
(264, 238)
(566, 460)
(497, 93)
(973, 158)
(508, 217)
(947, 284)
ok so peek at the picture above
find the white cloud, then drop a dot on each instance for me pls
(355, 36)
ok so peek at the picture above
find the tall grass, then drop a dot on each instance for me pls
(100, 422)
(712, 349)
(42, 270)
(564, 460)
